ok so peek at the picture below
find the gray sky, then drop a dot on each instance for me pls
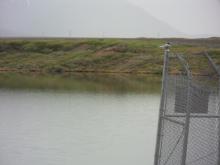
(110, 18)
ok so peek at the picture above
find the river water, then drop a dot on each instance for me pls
(81, 120)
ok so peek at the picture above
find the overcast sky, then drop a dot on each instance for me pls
(110, 18)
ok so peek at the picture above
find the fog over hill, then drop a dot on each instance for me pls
(197, 18)
(80, 18)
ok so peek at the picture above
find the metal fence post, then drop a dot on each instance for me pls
(187, 124)
(188, 110)
(162, 103)
(219, 123)
(215, 67)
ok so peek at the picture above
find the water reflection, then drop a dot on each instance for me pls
(78, 119)
(96, 83)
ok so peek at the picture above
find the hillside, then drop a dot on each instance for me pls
(79, 18)
(99, 55)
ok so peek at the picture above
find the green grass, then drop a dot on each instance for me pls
(99, 55)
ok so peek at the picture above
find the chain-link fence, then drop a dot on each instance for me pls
(189, 122)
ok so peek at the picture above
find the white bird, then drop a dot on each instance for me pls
(166, 46)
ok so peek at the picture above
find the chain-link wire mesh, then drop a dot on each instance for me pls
(189, 123)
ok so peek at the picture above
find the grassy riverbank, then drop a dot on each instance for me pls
(98, 55)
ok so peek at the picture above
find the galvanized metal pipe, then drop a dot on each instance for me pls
(162, 103)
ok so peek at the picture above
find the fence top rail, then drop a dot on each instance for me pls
(185, 65)
(212, 63)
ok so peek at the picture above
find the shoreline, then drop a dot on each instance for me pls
(90, 72)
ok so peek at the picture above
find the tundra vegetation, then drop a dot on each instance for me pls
(139, 56)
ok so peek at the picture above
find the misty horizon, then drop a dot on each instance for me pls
(109, 19)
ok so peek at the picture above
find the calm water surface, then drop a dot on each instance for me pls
(103, 123)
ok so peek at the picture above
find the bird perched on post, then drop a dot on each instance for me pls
(166, 46)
